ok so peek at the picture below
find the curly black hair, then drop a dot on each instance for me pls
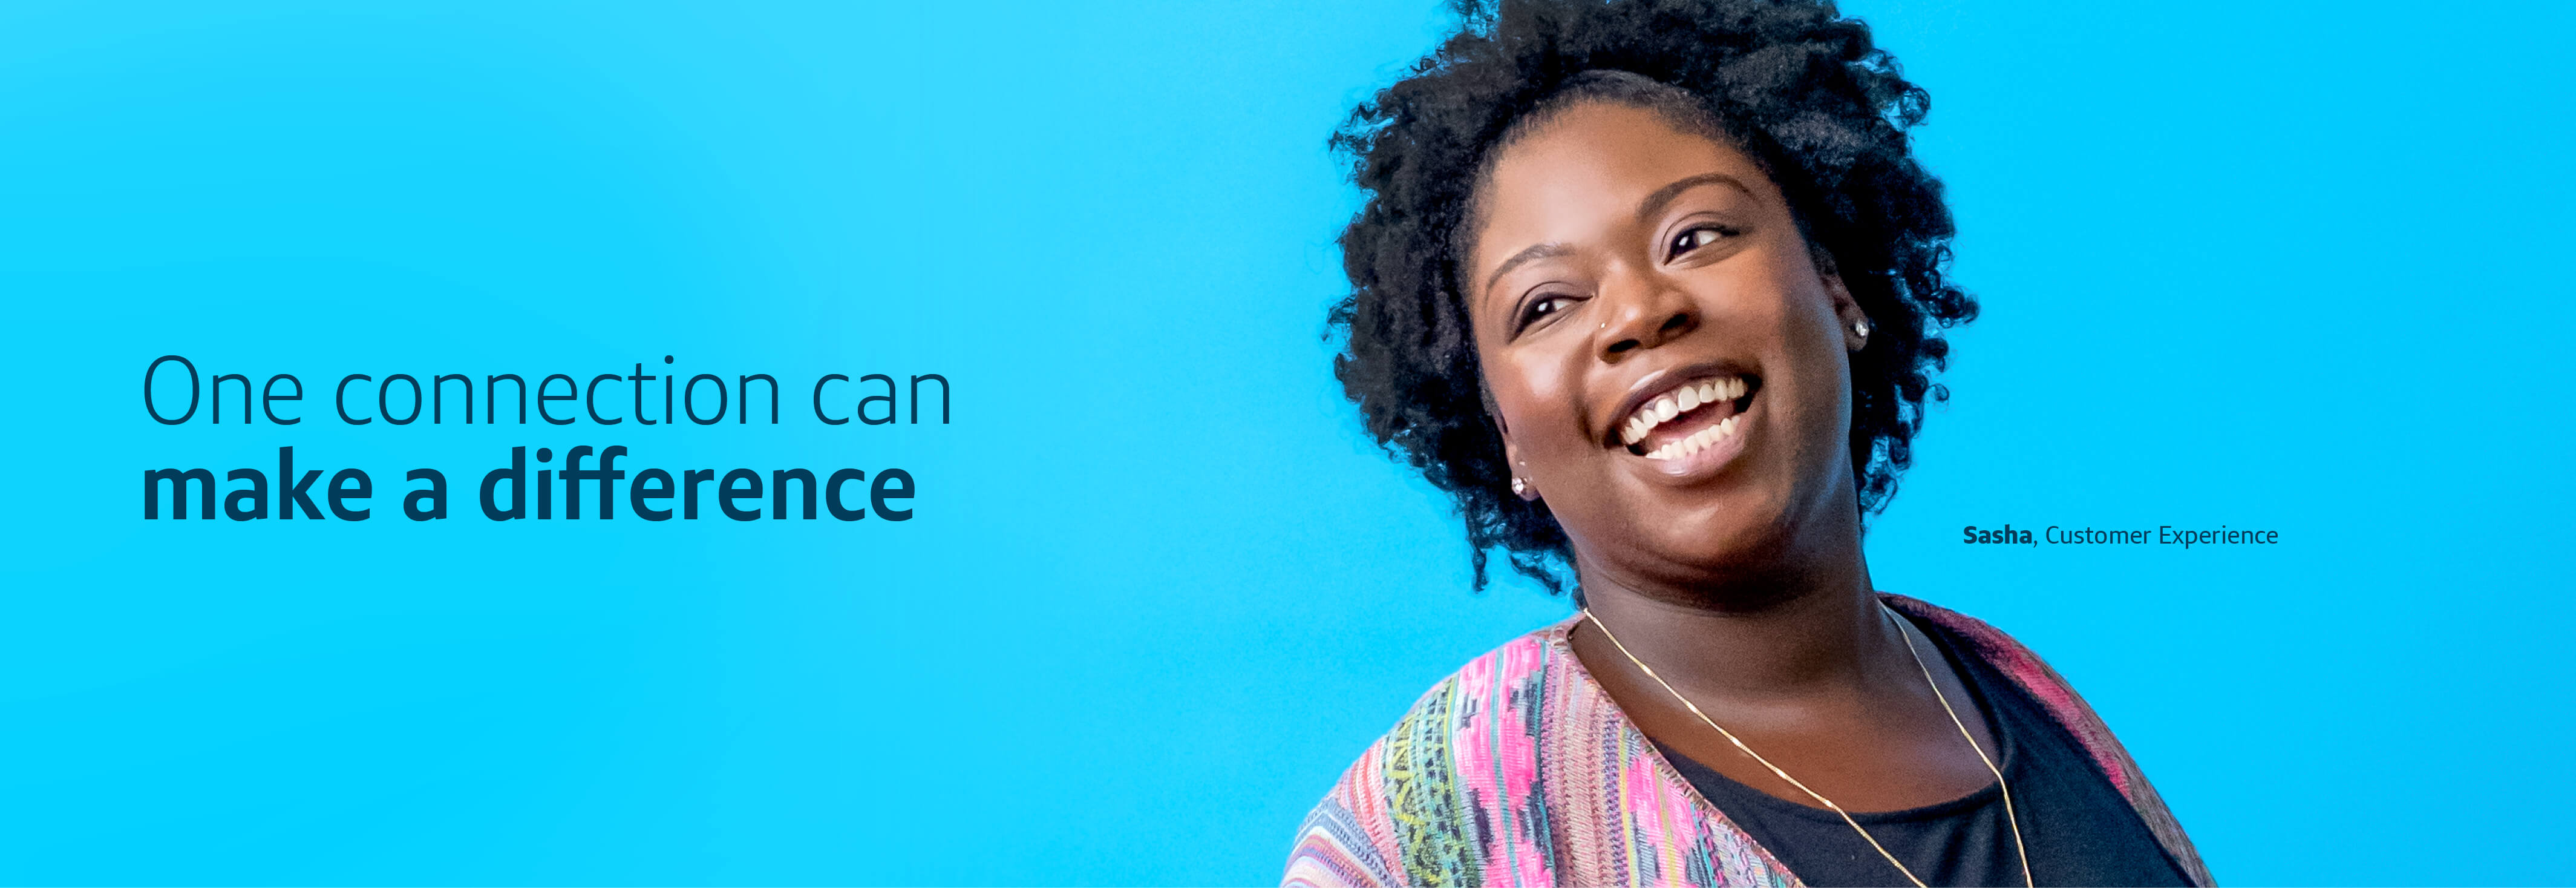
(1798, 87)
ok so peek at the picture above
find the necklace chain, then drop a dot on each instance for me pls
(2009, 815)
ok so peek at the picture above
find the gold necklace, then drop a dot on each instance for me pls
(2009, 815)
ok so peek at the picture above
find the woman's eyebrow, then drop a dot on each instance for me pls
(1655, 203)
(1533, 253)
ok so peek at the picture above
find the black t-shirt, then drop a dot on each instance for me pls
(2078, 829)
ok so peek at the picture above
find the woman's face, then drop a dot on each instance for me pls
(1668, 365)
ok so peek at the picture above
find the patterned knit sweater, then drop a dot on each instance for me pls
(1519, 770)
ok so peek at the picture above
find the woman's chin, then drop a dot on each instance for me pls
(1714, 535)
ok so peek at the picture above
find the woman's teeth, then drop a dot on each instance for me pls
(1698, 441)
(1677, 402)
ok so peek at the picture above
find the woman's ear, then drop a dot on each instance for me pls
(1855, 323)
(1521, 485)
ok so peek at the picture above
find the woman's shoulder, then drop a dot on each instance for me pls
(1461, 702)
(1518, 768)
(2036, 678)
(2033, 675)
(1420, 804)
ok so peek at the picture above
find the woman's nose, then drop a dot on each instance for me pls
(1644, 313)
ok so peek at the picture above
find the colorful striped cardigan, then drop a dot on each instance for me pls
(1518, 770)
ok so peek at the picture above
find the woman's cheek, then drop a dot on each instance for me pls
(1534, 403)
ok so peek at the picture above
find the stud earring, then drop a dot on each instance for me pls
(1861, 327)
(1519, 487)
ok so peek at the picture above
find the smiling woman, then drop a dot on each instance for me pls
(1652, 288)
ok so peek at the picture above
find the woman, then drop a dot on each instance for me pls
(1652, 288)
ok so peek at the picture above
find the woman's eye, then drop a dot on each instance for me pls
(1542, 307)
(1697, 238)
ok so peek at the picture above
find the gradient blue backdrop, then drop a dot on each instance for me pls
(2297, 267)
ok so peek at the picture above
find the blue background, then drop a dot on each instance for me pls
(2297, 268)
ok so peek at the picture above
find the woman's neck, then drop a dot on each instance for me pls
(1794, 632)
